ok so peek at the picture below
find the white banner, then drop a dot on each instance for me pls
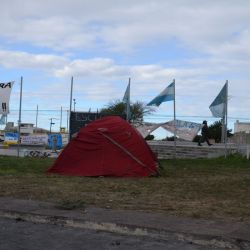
(5, 89)
(65, 139)
(34, 140)
(184, 130)
(147, 128)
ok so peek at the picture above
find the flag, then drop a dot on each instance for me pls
(5, 90)
(126, 97)
(218, 106)
(126, 100)
(3, 119)
(166, 95)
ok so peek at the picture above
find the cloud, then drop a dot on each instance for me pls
(24, 60)
(95, 67)
(121, 26)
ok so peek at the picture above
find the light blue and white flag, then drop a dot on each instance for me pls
(126, 100)
(126, 97)
(166, 95)
(3, 119)
(218, 106)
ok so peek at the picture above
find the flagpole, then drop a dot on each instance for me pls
(174, 123)
(128, 102)
(61, 119)
(19, 120)
(225, 120)
(70, 105)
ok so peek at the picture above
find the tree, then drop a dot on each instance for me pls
(137, 110)
(215, 131)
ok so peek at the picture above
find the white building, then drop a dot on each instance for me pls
(241, 127)
(26, 128)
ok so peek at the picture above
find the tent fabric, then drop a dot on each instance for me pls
(109, 146)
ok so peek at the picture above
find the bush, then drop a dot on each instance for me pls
(149, 137)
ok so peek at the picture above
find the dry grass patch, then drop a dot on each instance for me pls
(210, 188)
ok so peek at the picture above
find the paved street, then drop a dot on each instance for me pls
(17, 234)
(28, 224)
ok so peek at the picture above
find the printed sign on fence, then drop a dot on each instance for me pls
(55, 141)
(34, 139)
(10, 138)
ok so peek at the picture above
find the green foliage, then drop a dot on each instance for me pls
(14, 166)
(137, 110)
(215, 131)
(114, 108)
(186, 187)
(149, 137)
(226, 166)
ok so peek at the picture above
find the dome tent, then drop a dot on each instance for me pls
(109, 146)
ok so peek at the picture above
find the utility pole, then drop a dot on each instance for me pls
(51, 123)
(74, 100)
(20, 114)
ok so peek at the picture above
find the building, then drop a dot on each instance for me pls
(26, 128)
(241, 127)
(241, 133)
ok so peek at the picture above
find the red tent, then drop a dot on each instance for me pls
(109, 146)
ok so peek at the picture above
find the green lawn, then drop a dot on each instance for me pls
(202, 188)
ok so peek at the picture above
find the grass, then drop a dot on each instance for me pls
(202, 188)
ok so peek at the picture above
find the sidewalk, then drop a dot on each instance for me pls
(199, 231)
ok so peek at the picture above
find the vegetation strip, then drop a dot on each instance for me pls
(201, 188)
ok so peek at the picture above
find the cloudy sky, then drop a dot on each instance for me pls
(200, 44)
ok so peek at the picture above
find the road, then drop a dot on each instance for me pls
(16, 234)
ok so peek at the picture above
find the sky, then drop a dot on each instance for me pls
(102, 44)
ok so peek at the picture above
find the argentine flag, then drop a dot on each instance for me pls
(126, 96)
(126, 100)
(166, 95)
(218, 106)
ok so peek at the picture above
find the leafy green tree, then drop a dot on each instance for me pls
(215, 131)
(137, 110)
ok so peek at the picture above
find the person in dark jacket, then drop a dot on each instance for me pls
(204, 134)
